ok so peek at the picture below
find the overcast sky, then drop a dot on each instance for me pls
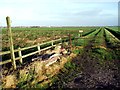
(59, 12)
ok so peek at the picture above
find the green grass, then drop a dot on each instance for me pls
(115, 28)
(110, 38)
(71, 69)
(99, 39)
(103, 58)
(23, 37)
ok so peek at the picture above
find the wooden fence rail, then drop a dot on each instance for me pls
(19, 50)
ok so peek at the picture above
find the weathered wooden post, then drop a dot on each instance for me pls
(52, 43)
(20, 55)
(38, 47)
(11, 41)
(70, 41)
(61, 41)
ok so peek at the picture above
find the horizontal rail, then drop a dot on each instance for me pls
(30, 54)
(5, 62)
(3, 53)
(7, 52)
(24, 56)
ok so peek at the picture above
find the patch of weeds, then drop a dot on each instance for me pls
(76, 51)
(104, 57)
(25, 80)
(64, 70)
(66, 75)
(103, 54)
(79, 42)
(69, 65)
(41, 86)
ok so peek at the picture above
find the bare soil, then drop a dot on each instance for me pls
(94, 69)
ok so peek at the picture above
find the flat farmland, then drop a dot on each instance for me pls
(23, 37)
(93, 61)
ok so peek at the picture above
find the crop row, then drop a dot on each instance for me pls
(98, 37)
(91, 35)
(99, 40)
(83, 41)
(111, 39)
(23, 37)
(115, 33)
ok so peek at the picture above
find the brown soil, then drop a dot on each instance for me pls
(93, 74)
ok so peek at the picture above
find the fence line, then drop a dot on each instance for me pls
(38, 46)
(19, 50)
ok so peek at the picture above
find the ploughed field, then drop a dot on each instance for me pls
(96, 61)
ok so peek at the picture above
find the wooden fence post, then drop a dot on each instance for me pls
(61, 41)
(52, 43)
(20, 55)
(38, 46)
(11, 41)
(70, 41)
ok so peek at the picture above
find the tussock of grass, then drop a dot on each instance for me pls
(9, 81)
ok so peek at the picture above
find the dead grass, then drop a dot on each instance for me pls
(36, 70)
(9, 81)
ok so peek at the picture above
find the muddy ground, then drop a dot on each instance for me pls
(94, 68)
(90, 72)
